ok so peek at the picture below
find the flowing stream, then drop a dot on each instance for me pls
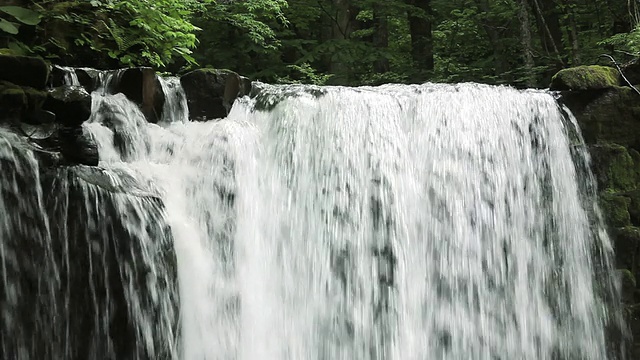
(393, 222)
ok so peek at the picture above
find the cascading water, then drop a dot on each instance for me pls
(397, 222)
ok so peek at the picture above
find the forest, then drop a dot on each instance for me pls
(337, 42)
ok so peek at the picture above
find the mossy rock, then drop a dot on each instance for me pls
(24, 71)
(13, 101)
(20, 102)
(628, 285)
(606, 115)
(588, 77)
(626, 241)
(615, 168)
(634, 206)
(615, 209)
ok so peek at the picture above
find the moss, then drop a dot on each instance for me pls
(614, 167)
(35, 98)
(616, 209)
(589, 77)
(628, 284)
(12, 97)
(626, 241)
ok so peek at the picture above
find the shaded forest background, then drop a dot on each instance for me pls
(343, 42)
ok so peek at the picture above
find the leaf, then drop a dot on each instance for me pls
(8, 27)
(25, 16)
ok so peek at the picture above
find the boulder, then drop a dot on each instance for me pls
(78, 147)
(608, 115)
(588, 77)
(211, 92)
(71, 104)
(21, 103)
(13, 101)
(142, 86)
(24, 71)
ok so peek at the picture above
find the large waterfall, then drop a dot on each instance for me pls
(393, 222)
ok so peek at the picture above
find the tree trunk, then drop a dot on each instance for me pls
(525, 40)
(341, 30)
(500, 61)
(420, 29)
(570, 6)
(550, 31)
(380, 38)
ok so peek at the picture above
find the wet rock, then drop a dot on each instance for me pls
(78, 147)
(211, 92)
(87, 77)
(142, 86)
(39, 116)
(71, 104)
(628, 285)
(118, 281)
(24, 71)
(626, 241)
(589, 77)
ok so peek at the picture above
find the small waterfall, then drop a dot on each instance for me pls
(70, 76)
(175, 103)
(393, 222)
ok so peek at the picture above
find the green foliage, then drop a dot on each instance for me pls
(11, 19)
(22, 15)
(119, 32)
(627, 42)
(242, 35)
(345, 42)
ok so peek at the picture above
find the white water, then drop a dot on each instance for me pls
(399, 222)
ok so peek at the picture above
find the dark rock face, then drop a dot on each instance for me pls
(80, 278)
(77, 147)
(20, 102)
(71, 104)
(24, 71)
(141, 85)
(609, 116)
(211, 92)
(122, 304)
(632, 72)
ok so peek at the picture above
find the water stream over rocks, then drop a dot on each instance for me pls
(395, 222)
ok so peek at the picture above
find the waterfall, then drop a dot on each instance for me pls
(394, 222)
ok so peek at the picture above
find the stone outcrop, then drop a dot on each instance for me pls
(27, 106)
(24, 71)
(212, 92)
(71, 104)
(609, 116)
(142, 86)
